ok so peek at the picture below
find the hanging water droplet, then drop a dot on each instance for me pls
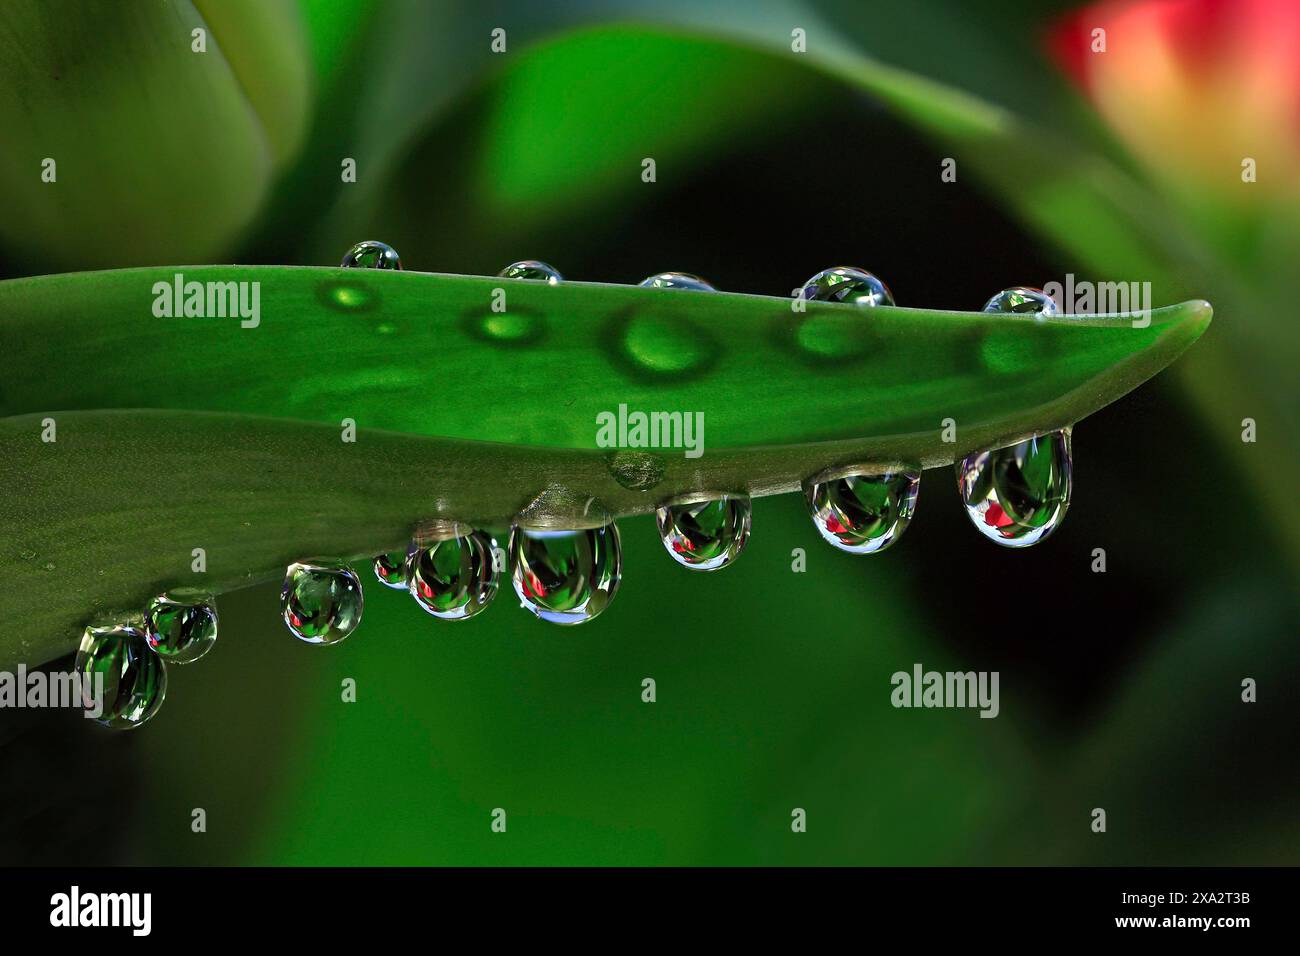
(1018, 495)
(860, 511)
(677, 280)
(566, 576)
(636, 470)
(134, 679)
(847, 284)
(453, 576)
(321, 601)
(181, 625)
(390, 569)
(1022, 300)
(532, 269)
(371, 255)
(706, 534)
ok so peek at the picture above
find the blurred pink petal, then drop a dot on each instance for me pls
(1195, 87)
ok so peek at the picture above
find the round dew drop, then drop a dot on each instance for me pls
(1022, 300)
(181, 625)
(636, 470)
(452, 578)
(705, 535)
(371, 255)
(532, 269)
(566, 576)
(1018, 495)
(134, 678)
(677, 280)
(861, 512)
(390, 569)
(321, 602)
(847, 284)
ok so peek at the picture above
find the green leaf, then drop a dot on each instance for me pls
(161, 153)
(266, 45)
(561, 125)
(617, 98)
(983, 91)
(155, 452)
(427, 354)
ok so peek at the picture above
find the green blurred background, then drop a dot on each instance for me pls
(1119, 690)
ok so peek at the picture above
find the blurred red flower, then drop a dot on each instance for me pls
(1195, 87)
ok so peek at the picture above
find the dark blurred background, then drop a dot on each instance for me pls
(1119, 690)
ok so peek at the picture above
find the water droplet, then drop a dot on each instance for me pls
(847, 284)
(1022, 300)
(560, 508)
(1011, 348)
(371, 255)
(860, 511)
(390, 569)
(452, 577)
(532, 269)
(181, 625)
(707, 534)
(677, 280)
(1018, 495)
(566, 576)
(636, 470)
(321, 601)
(134, 678)
(828, 338)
